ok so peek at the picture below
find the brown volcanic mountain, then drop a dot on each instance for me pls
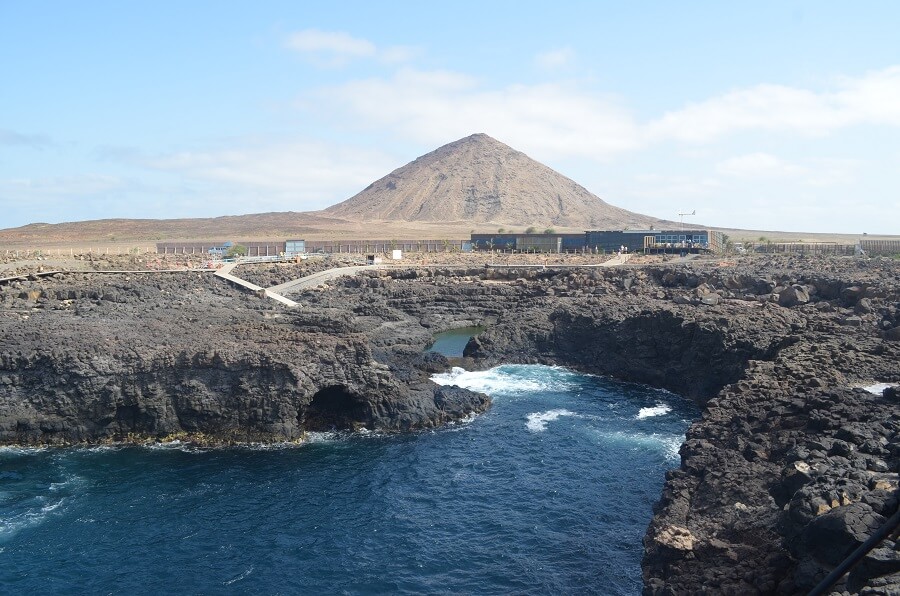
(480, 180)
(476, 183)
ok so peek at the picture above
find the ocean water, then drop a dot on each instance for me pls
(548, 492)
(453, 342)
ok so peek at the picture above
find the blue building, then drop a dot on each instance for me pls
(654, 241)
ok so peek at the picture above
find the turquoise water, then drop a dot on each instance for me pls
(548, 492)
(453, 342)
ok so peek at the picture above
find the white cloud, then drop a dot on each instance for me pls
(337, 48)
(874, 98)
(566, 119)
(398, 54)
(557, 59)
(754, 165)
(13, 138)
(30, 188)
(674, 187)
(832, 172)
(871, 99)
(436, 107)
(336, 43)
(290, 175)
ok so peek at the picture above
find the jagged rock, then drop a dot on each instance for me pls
(832, 536)
(864, 306)
(676, 538)
(793, 295)
(777, 385)
(851, 295)
(137, 362)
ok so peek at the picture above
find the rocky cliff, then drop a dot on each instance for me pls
(93, 357)
(789, 468)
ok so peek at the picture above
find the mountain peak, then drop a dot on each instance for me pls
(482, 180)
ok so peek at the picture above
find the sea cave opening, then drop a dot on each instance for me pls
(334, 408)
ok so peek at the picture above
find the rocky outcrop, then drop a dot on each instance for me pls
(790, 466)
(114, 357)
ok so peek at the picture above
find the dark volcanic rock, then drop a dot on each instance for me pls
(191, 355)
(785, 438)
(790, 465)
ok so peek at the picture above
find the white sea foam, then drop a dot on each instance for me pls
(175, 445)
(509, 379)
(247, 572)
(106, 448)
(469, 419)
(457, 425)
(659, 409)
(12, 450)
(325, 436)
(878, 388)
(537, 422)
(73, 480)
(13, 524)
(667, 445)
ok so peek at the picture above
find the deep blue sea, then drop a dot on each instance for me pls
(549, 492)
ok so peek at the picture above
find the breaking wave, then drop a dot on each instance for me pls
(510, 379)
(666, 445)
(537, 422)
(657, 410)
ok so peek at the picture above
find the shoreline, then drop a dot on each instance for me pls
(771, 348)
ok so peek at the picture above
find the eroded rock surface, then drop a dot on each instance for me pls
(791, 464)
(789, 468)
(93, 357)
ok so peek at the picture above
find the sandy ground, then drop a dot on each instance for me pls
(27, 264)
(71, 239)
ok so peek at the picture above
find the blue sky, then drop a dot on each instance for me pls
(763, 115)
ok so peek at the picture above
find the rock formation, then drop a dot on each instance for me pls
(126, 357)
(791, 465)
(789, 468)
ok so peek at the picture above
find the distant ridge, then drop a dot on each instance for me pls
(473, 184)
(481, 180)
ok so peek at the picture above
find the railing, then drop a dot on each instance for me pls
(817, 248)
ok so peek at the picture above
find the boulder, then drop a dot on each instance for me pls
(676, 538)
(851, 295)
(864, 306)
(851, 321)
(710, 299)
(830, 537)
(793, 295)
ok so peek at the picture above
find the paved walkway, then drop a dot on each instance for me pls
(317, 279)
(617, 260)
(225, 273)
